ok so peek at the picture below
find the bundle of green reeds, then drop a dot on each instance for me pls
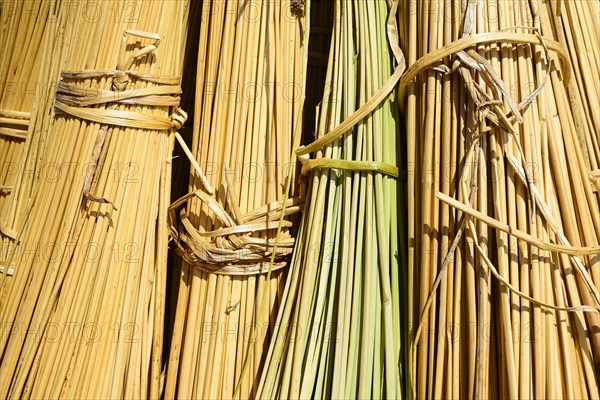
(86, 304)
(338, 333)
(503, 224)
(247, 122)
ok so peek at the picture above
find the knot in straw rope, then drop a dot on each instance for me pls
(178, 118)
(120, 81)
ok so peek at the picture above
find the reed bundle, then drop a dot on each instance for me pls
(86, 304)
(247, 122)
(338, 332)
(503, 225)
(26, 28)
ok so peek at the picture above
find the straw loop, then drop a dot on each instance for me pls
(99, 73)
(491, 109)
(73, 99)
(379, 97)
(350, 165)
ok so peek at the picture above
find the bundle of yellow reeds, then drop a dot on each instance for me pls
(504, 265)
(27, 29)
(338, 332)
(247, 123)
(86, 304)
(576, 24)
